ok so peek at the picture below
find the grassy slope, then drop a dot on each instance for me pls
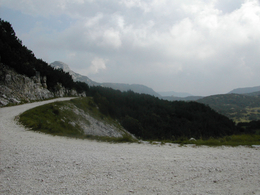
(58, 119)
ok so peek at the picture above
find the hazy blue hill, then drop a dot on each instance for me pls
(173, 93)
(239, 107)
(178, 96)
(189, 98)
(133, 87)
(245, 90)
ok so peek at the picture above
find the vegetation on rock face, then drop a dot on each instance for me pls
(22, 60)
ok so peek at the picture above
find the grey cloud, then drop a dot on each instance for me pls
(200, 47)
(228, 6)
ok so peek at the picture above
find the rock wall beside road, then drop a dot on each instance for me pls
(16, 88)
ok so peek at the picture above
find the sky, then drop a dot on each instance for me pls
(202, 47)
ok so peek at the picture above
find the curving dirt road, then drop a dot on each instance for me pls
(35, 163)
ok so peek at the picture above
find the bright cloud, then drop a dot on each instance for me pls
(186, 45)
(111, 38)
(97, 64)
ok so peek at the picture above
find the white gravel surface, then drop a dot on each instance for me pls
(35, 163)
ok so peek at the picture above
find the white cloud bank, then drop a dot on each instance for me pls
(97, 64)
(202, 47)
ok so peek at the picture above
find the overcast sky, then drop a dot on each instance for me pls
(202, 47)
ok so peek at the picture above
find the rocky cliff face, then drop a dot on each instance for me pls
(16, 88)
(75, 76)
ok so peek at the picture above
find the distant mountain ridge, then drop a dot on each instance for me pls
(117, 86)
(133, 87)
(175, 94)
(245, 90)
(188, 98)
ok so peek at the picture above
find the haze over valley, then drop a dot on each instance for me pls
(170, 95)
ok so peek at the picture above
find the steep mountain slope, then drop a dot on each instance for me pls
(118, 86)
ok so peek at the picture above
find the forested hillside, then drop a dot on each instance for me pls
(149, 117)
(17, 56)
(238, 107)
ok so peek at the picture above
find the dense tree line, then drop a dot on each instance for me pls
(252, 127)
(21, 59)
(149, 117)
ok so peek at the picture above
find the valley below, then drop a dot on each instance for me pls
(37, 163)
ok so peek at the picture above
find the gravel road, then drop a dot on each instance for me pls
(35, 163)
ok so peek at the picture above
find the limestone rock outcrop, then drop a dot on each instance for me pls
(16, 88)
